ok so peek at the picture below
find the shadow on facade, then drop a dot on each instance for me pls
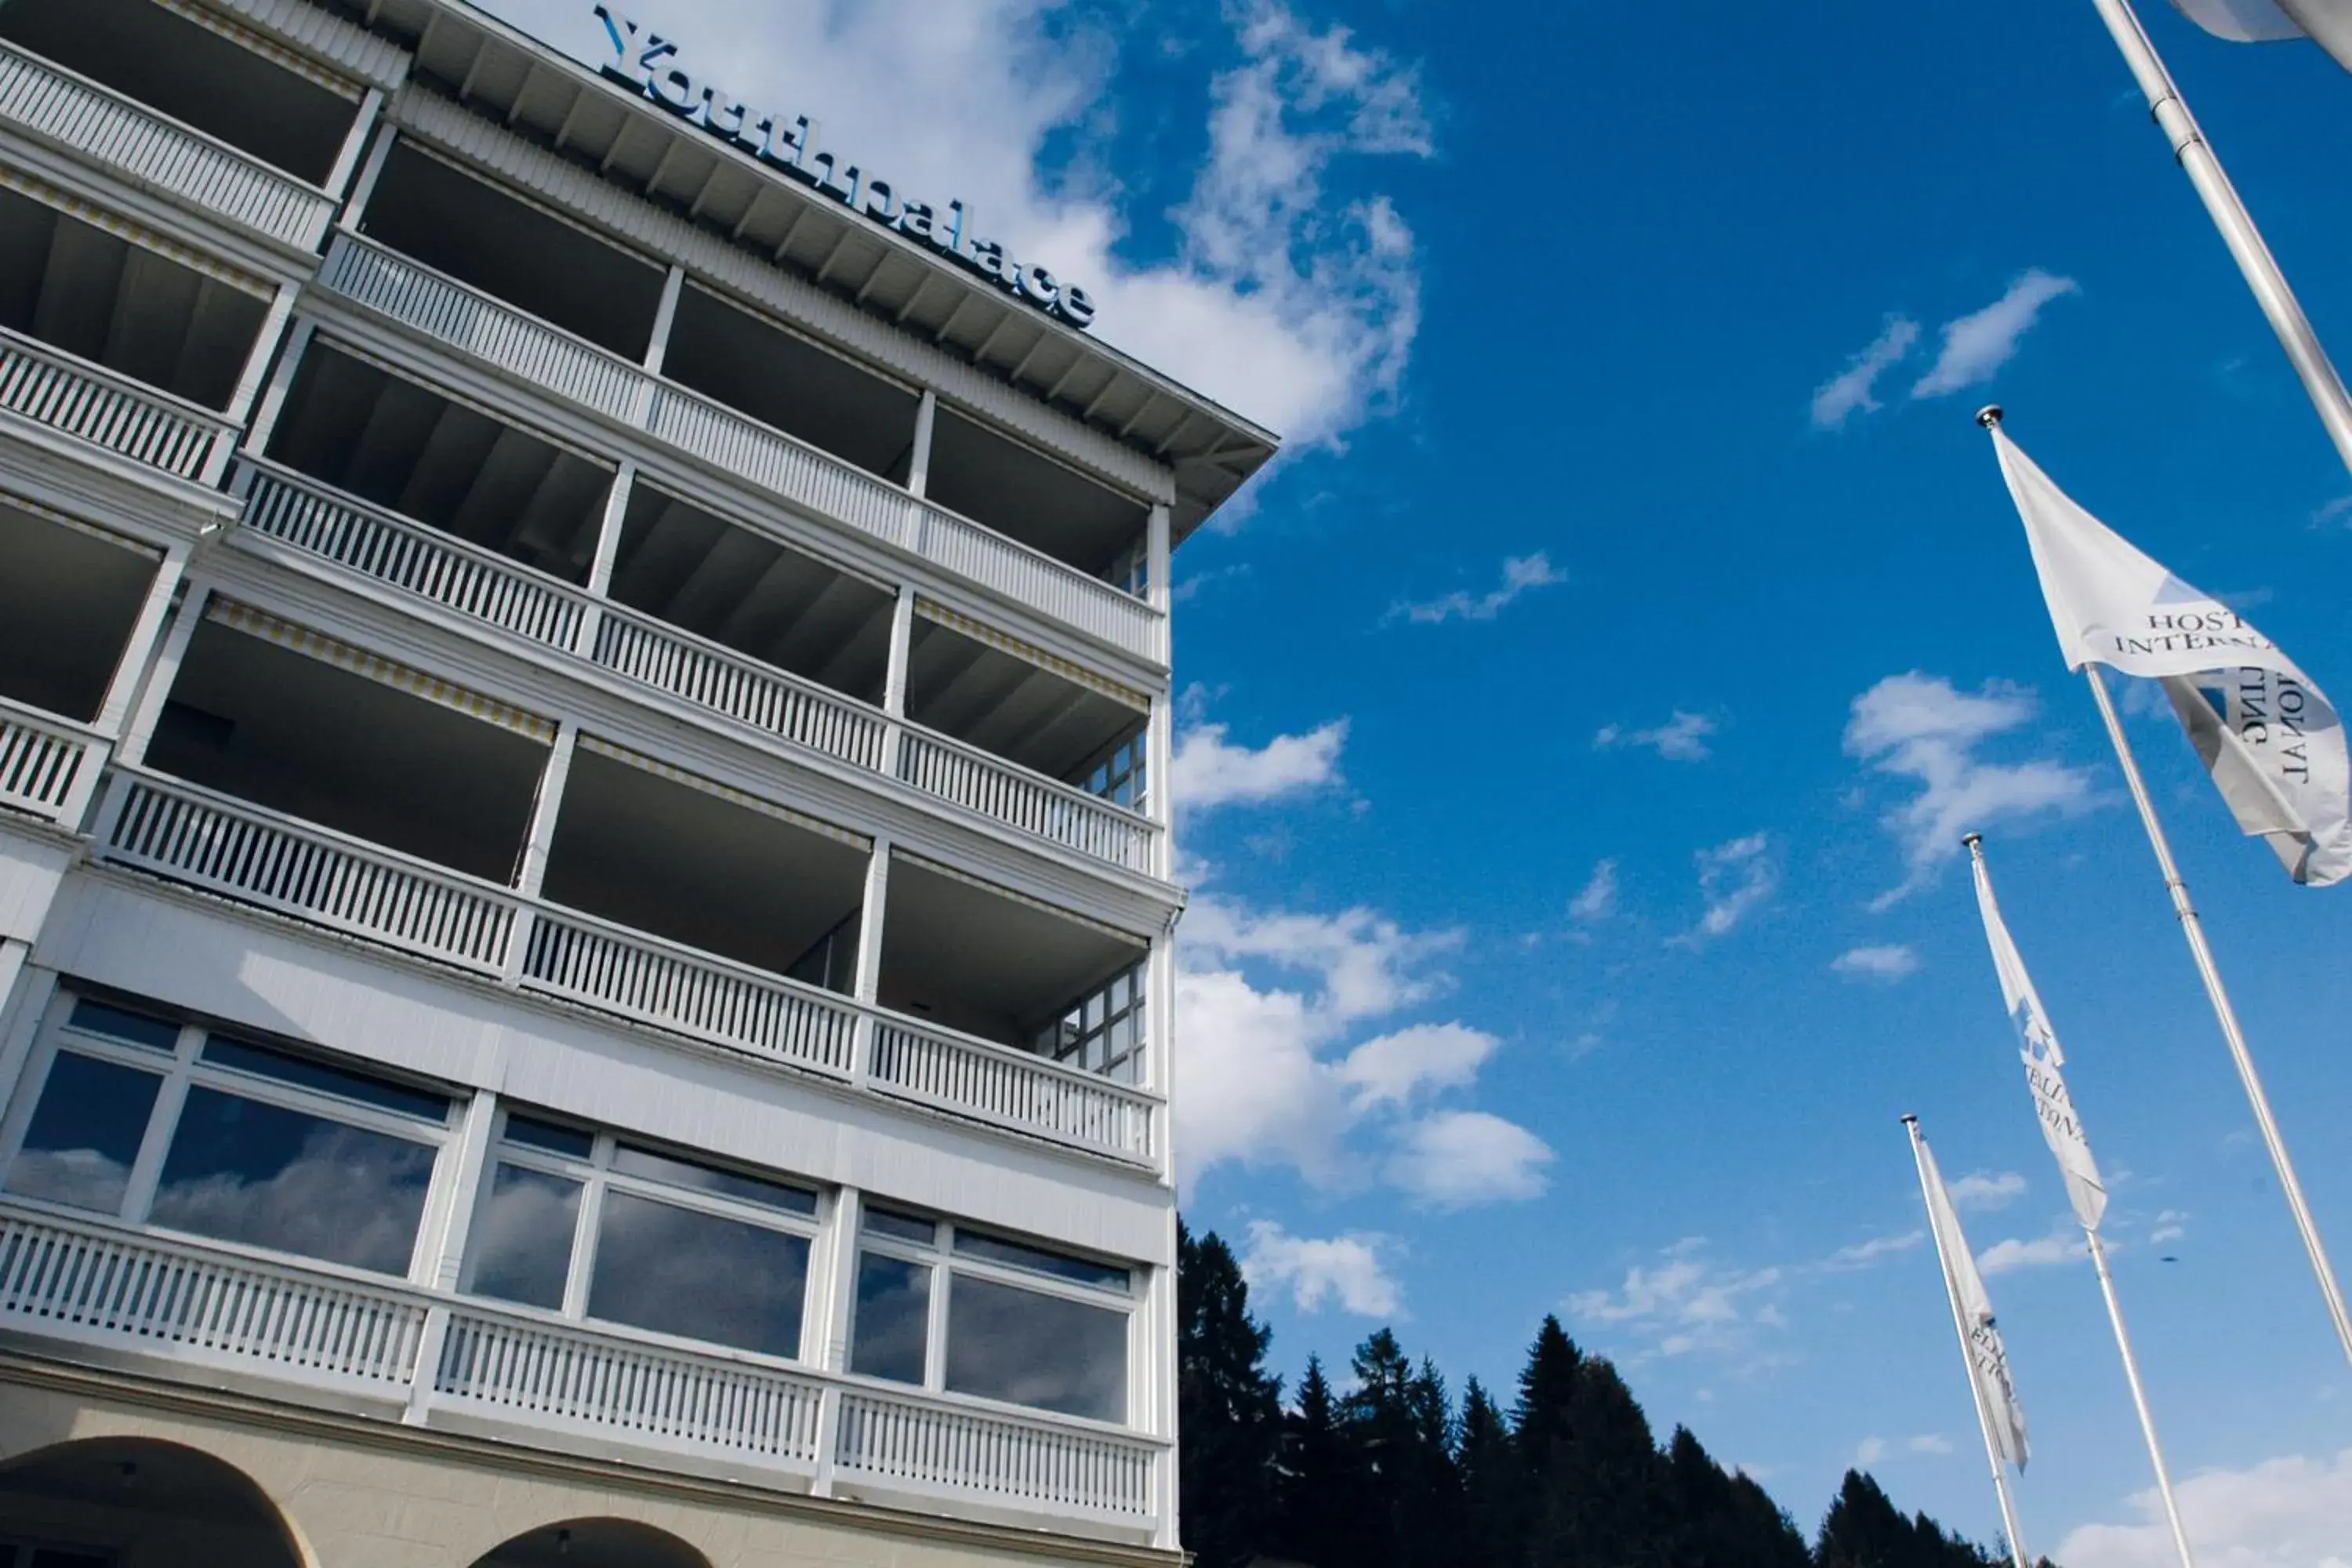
(129, 1502)
(594, 1544)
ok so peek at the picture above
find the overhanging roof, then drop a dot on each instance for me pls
(536, 91)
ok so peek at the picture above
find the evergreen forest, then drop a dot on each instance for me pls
(1386, 1467)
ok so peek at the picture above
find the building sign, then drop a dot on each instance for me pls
(645, 62)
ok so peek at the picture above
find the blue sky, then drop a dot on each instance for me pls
(1566, 936)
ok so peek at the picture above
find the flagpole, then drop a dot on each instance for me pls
(1968, 1356)
(2139, 1397)
(2197, 160)
(2194, 929)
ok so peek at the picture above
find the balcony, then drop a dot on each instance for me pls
(68, 112)
(94, 1288)
(805, 476)
(254, 855)
(482, 586)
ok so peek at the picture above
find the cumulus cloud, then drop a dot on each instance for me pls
(1987, 1190)
(1208, 771)
(1862, 1254)
(1283, 296)
(1455, 1158)
(1352, 1269)
(1974, 346)
(1681, 739)
(1394, 1069)
(1597, 900)
(1521, 573)
(2171, 1224)
(1685, 1301)
(1884, 963)
(1735, 880)
(1853, 390)
(2063, 1244)
(1868, 1452)
(1921, 729)
(2287, 1512)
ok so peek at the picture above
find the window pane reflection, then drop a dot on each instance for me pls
(679, 1271)
(85, 1133)
(1029, 1349)
(522, 1242)
(894, 1311)
(243, 1170)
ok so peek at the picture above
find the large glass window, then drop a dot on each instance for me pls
(585, 1223)
(939, 1306)
(143, 1119)
(1104, 1031)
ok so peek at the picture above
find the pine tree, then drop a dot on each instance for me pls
(1487, 1461)
(1319, 1493)
(1720, 1521)
(1399, 1424)
(1229, 1410)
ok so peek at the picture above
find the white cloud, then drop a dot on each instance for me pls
(2171, 1224)
(1598, 899)
(1862, 1254)
(2286, 1513)
(1977, 345)
(1735, 878)
(1681, 739)
(1391, 1069)
(1521, 573)
(1685, 1302)
(1294, 305)
(1352, 1269)
(1985, 1191)
(1918, 726)
(1455, 1158)
(1208, 771)
(1888, 963)
(1852, 389)
(2063, 1244)
(1868, 1452)
(1930, 1443)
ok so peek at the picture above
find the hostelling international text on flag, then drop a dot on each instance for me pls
(2274, 744)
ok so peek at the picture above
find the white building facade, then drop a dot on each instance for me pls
(585, 880)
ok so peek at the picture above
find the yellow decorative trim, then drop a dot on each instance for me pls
(644, 763)
(277, 54)
(123, 228)
(32, 507)
(1029, 653)
(374, 666)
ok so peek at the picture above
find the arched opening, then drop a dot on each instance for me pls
(132, 1502)
(594, 1544)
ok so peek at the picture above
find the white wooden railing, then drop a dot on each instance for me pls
(540, 1372)
(1010, 1087)
(95, 1286)
(973, 779)
(101, 1285)
(475, 324)
(144, 424)
(482, 586)
(256, 856)
(926, 1446)
(47, 766)
(698, 994)
(475, 582)
(71, 111)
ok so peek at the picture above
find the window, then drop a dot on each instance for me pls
(582, 1224)
(1119, 776)
(143, 1119)
(941, 1307)
(1102, 1032)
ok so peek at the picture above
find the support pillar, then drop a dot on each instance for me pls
(132, 750)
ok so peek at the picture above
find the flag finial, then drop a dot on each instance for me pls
(1970, 840)
(1989, 416)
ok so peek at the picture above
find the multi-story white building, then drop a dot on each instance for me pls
(585, 873)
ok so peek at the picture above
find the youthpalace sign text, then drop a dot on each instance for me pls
(645, 62)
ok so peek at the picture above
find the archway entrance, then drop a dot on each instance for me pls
(131, 1502)
(594, 1544)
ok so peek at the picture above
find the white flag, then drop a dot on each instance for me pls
(2038, 1045)
(2274, 744)
(1987, 1358)
(2328, 23)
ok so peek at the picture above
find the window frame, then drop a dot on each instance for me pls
(183, 1068)
(1067, 1038)
(597, 1177)
(943, 1263)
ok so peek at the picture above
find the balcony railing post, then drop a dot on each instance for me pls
(431, 1343)
(828, 1440)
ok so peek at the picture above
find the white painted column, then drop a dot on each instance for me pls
(1163, 1328)
(355, 204)
(664, 318)
(1160, 746)
(281, 381)
(894, 678)
(24, 995)
(531, 872)
(355, 140)
(444, 1257)
(826, 1340)
(867, 984)
(132, 750)
(266, 344)
(919, 463)
(608, 551)
(139, 649)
